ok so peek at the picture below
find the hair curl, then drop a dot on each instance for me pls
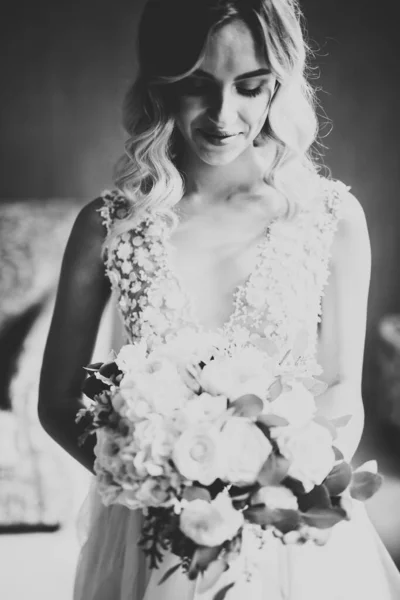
(148, 173)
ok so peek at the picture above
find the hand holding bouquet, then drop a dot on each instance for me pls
(207, 440)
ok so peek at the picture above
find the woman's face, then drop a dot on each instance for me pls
(222, 107)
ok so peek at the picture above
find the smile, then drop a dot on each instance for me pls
(217, 138)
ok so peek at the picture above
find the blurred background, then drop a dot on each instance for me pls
(65, 67)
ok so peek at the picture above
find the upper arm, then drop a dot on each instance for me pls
(345, 299)
(82, 294)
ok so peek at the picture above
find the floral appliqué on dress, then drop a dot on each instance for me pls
(280, 301)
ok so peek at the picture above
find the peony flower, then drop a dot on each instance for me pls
(247, 449)
(137, 406)
(153, 492)
(199, 454)
(245, 373)
(309, 450)
(211, 523)
(203, 408)
(190, 347)
(275, 497)
(297, 405)
(160, 389)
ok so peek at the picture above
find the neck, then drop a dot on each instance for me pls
(221, 184)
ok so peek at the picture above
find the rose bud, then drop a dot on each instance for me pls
(93, 386)
(110, 370)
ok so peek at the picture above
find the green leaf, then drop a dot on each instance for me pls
(168, 574)
(365, 484)
(94, 366)
(275, 390)
(202, 557)
(285, 519)
(342, 421)
(328, 425)
(317, 498)
(339, 478)
(338, 453)
(266, 345)
(109, 370)
(247, 406)
(92, 386)
(315, 386)
(258, 514)
(318, 387)
(324, 518)
(211, 575)
(274, 470)
(223, 591)
(272, 420)
(195, 492)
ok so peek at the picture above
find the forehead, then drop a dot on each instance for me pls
(231, 51)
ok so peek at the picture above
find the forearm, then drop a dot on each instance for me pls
(339, 400)
(60, 424)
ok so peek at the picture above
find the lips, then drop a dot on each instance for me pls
(217, 134)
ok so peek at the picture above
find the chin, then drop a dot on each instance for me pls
(218, 161)
(219, 158)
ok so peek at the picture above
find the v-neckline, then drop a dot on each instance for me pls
(239, 290)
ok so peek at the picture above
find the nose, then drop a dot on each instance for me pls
(222, 108)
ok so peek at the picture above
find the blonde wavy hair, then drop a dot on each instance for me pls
(172, 38)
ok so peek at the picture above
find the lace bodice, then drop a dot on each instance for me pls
(280, 300)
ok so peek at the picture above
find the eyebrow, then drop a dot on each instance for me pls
(249, 75)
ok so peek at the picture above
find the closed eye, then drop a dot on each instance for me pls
(197, 86)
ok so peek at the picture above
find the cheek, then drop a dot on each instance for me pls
(256, 112)
(188, 109)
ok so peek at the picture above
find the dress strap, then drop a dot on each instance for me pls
(335, 192)
(114, 207)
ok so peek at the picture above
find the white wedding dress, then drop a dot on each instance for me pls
(280, 299)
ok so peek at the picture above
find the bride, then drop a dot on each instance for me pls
(220, 217)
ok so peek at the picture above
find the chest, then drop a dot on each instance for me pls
(267, 284)
(212, 263)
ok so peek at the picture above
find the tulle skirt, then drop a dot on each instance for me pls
(353, 565)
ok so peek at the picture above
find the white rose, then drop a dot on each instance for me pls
(275, 497)
(247, 449)
(204, 408)
(199, 454)
(297, 405)
(309, 450)
(211, 523)
(132, 357)
(244, 373)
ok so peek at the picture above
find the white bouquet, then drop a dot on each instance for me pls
(206, 438)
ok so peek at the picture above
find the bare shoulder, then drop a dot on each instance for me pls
(351, 241)
(352, 214)
(89, 219)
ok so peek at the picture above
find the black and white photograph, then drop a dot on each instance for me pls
(199, 300)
